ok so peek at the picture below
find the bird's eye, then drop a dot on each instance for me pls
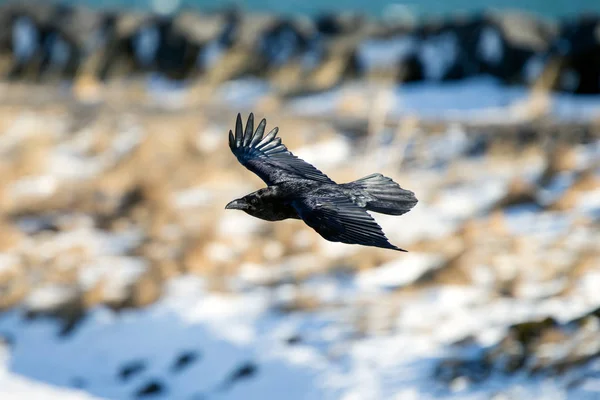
(253, 201)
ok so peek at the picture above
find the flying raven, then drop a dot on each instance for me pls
(296, 189)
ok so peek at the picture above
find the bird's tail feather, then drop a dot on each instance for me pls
(387, 196)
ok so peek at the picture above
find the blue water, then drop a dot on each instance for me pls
(376, 8)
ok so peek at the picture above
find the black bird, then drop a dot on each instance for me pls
(296, 189)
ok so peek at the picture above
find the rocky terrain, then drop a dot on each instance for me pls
(48, 42)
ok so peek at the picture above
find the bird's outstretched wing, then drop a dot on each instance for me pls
(267, 157)
(337, 219)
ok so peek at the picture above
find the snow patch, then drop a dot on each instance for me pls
(399, 273)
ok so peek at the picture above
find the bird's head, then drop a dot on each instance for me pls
(250, 204)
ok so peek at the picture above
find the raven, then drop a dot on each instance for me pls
(295, 189)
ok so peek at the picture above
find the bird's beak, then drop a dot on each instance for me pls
(235, 205)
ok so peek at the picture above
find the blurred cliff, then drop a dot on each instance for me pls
(47, 42)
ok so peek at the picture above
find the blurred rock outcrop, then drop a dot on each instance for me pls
(45, 41)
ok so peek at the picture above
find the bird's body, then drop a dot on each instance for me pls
(297, 190)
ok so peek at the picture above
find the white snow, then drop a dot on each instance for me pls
(209, 56)
(8, 262)
(25, 38)
(49, 297)
(425, 222)
(119, 272)
(438, 53)
(94, 241)
(227, 332)
(193, 197)
(326, 154)
(469, 199)
(242, 93)
(145, 44)
(210, 139)
(490, 45)
(230, 331)
(236, 224)
(35, 186)
(398, 273)
(590, 202)
(477, 99)
(523, 220)
(15, 387)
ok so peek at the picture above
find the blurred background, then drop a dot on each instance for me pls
(122, 276)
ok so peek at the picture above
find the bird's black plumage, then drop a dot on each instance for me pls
(296, 189)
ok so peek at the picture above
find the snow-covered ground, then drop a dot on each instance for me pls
(294, 316)
(193, 344)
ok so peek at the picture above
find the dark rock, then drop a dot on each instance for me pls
(520, 344)
(476, 370)
(184, 360)
(294, 339)
(328, 24)
(519, 196)
(446, 51)
(334, 24)
(478, 145)
(454, 49)
(176, 55)
(112, 208)
(518, 37)
(132, 368)
(130, 200)
(243, 372)
(153, 387)
(231, 28)
(507, 356)
(285, 41)
(526, 332)
(44, 41)
(497, 44)
(526, 136)
(61, 53)
(120, 51)
(156, 45)
(70, 313)
(410, 69)
(535, 347)
(572, 64)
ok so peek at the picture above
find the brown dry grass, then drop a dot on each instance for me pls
(182, 150)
